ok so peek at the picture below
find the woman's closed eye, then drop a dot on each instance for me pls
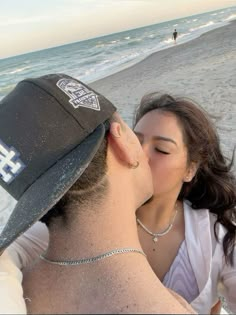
(161, 151)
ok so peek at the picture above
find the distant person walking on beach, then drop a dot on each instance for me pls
(175, 35)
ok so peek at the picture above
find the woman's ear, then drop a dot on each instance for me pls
(191, 172)
(119, 143)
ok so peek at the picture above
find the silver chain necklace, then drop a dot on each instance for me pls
(92, 259)
(155, 236)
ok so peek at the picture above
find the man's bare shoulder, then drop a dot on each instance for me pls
(99, 289)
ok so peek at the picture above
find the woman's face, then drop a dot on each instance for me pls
(162, 141)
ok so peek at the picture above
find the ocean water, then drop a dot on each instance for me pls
(98, 57)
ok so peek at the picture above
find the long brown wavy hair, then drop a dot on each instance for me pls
(214, 185)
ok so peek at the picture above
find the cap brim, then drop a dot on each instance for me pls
(48, 189)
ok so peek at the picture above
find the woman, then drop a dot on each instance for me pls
(187, 229)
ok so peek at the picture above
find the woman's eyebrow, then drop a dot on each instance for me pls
(157, 137)
(164, 139)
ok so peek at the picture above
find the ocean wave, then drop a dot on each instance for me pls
(167, 41)
(19, 70)
(100, 45)
(210, 23)
(184, 35)
(114, 42)
(231, 17)
(134, 42)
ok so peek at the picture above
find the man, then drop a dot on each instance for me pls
(69, 160)
(174, 36)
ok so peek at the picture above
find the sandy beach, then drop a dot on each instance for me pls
(203, 69)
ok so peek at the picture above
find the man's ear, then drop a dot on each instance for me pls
(119, 144)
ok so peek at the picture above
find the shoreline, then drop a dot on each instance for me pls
(177, 46)
(202, 69)
(133, 63)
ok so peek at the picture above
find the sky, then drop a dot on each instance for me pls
(30, 25)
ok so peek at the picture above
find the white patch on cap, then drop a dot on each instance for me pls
(10, 163)
(79, 94)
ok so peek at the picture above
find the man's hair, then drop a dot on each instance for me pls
(90, 187)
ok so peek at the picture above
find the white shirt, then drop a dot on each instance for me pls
(213, 276)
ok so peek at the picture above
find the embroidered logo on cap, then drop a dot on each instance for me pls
(10, 163)
(79, 94)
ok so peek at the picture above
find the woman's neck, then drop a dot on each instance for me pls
(158, 213)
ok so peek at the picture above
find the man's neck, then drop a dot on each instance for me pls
(96, 230)
(93, 287)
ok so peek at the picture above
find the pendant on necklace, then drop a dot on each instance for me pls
(155, 239)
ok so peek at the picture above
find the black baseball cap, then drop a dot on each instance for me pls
(50, 129)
